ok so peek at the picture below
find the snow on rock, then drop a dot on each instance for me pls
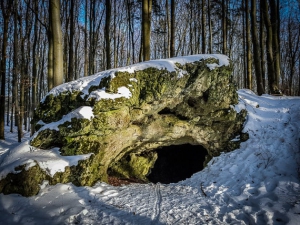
(83, 84)
(84, 112)
(49, 160)
(101, 94)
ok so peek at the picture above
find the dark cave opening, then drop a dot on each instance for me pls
(177, 162)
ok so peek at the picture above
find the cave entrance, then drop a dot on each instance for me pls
(177, 162)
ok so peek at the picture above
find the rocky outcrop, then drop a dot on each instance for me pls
(121, 116)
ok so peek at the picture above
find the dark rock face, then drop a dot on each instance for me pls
(123, 115)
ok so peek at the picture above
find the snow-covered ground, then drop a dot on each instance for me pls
(256, 184)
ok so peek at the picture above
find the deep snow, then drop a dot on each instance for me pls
(256, 184)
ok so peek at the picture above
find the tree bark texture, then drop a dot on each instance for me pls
(209, 28)
(269, 42)
(248, 48)
(34, 81)
(256, 50)
(57, 43)
(6, 13)
(71, 65)
(224, 27)
(275, 43)
(107, 34)
(172, 29)
(146, 28)
(203, 15)
(86, 59)
(262, 46)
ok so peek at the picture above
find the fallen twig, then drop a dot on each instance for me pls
(201, 186)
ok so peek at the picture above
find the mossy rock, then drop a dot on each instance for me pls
(191, 104)
(25, 182)
(133, 165)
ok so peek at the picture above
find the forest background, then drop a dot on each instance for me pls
(48, 42)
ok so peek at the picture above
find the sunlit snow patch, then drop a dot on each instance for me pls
(49, 160)
(101, 94)
(83, 112)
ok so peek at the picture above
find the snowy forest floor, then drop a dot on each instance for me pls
(256, 184)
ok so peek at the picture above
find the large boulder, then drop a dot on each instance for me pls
(122, 115)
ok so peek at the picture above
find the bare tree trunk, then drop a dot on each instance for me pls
(128, 13)
(146, 28)
(8, 89)
(71, 43)
(6, 12)
(57, 43)
(256, 51)
(107, 34)
(77, 66)
(167, 41)
(115, 36)
(209, 27)
(262, 46)
(198, 28)
(22, 83)
(275, 42)
(41, 74)
(130, 21)
(248, 48)
(203, 26)
(172, 37)
(27, 61)
(34, 66)
(65, 16)
(50, 65)
(92, 37)
(131, 25)
(224, 26)
(3, 80)
(190, 25)
(293, 46)
(141, 49)
(270, 60)
(245, 61)
(50, 53)
(15, 70)
(86, 60)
